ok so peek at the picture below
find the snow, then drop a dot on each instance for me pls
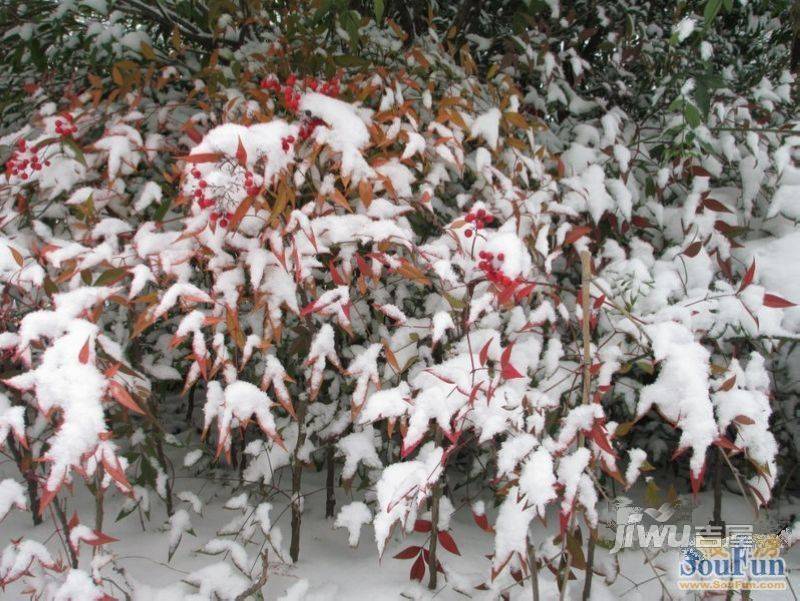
(62, 381)
(352, 516)
(537, 480)
(487, 126)
(684, 28)
(681, 390)
(358, 448)
(11, 495)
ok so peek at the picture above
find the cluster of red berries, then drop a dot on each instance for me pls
(291, 96)
(307, 127)
(200, 192)
(224, 218)
(24, 161)
(286, 143)
(480, 218)
(250, 186)
(490, 265)
(66, 127)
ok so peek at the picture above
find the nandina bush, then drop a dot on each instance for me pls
(503, 275)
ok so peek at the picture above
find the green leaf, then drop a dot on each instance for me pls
(711, 10)
(692, 115)
(379, 10)
(702, 97)
(110, 276)
(162, 209)
(76, 149)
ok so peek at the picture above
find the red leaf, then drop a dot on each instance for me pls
(83, 356)
(123, 397)
(715, 205)
(697, 480)
(241, 154)
(408, 552)
(724, 443)
(46, 498)
(482, 521)
(193, 134)
(418, 569)
(484, 354)
(422, 526)
(510, 372)
(600, 436)
(744, 419)
(576, 233)
(770, 300)
(364, 267)
(748, 276)
(309, 308)
(448, 543)
(693, 249)
(337, 279)
(100, 539)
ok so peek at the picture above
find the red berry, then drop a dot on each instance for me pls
(202, 183)
(501, 257)
(224, 222)
(489, 218)
(470, 217)
(468, 233)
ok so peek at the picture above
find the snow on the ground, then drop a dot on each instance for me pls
(329, 568)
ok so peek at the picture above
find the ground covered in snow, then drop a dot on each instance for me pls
(329, 568)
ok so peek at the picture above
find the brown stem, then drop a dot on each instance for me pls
(586, 283)
(533, 563)
(262, 580)
(587, 583)
(297, 475)
(62, 518)
(717, 514)
(162, 460)
(436, 496)
(330, 493)
(23, 459)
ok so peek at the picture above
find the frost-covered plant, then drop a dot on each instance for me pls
(509, 281)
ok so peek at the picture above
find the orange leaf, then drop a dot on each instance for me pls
(240, 212)
(83, 356)
(575, 233)
(123, 397)
(203, 157)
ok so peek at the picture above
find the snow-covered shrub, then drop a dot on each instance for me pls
(507, 279)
